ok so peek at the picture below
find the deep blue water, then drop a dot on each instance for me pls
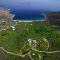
(23, 13)
(27, 15)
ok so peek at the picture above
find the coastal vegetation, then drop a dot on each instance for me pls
(30, 41)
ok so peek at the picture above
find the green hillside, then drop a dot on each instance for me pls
(16, 46)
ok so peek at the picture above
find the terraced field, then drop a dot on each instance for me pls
(30, 41)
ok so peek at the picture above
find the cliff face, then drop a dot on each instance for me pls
(53, 18)
(6, 18)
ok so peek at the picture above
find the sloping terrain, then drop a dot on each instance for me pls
(30, 41)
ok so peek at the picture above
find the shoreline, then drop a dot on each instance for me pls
(30, 20)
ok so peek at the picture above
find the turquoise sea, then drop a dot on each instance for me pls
(28, 15)
(23, 13)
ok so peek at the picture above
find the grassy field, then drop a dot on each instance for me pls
(16, 42)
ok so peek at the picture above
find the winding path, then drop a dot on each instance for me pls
(28, 52)
(31, 49)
